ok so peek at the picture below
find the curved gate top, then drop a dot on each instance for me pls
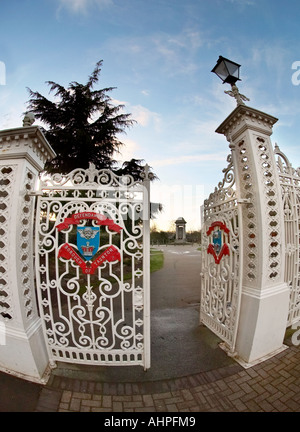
(92, 267)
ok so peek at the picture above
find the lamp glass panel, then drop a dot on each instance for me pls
(233, 69)
(221, 71)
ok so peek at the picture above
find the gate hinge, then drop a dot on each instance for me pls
(243, 201)
(38, 193)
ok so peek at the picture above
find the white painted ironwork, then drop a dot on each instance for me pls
(290, 188)
(221, 271)
(94, 311)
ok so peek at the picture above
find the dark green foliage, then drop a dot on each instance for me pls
(82, 125)
(135, 168)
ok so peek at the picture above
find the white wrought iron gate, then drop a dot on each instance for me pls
(290, 189)
(93, 267)
(221, 268)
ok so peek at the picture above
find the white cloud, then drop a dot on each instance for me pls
(266, 54)
(83, 6)
(165, 52)
(170, 49)
(189, 159)
(128, 151)
(144, 117)
(243, 2)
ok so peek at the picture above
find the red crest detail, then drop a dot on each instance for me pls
(216, 249)
(110, 254)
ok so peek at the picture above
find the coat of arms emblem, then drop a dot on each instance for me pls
(88, 240)
(218, 248)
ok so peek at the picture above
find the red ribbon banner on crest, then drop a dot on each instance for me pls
(224, 251)
(99, 218)
(221, 225)
(110, 254)
(225, 248)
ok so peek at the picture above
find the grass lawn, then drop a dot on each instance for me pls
(156, 260)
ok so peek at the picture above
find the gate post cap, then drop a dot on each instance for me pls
(29, 119)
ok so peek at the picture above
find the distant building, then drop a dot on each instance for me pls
(180, 230)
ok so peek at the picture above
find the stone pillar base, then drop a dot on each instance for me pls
(23, 354)
(246, 365)
(262, 323)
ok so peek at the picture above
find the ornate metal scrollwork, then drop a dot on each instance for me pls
(92, 295)
(220, 259)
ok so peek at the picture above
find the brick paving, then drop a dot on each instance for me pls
(271, 386)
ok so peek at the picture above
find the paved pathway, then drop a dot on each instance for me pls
(189, 372)
(272, 386)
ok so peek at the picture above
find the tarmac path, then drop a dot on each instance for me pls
(189, 372)
(175, 329)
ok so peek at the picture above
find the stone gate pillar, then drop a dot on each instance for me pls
(23, 153)
(265, 296)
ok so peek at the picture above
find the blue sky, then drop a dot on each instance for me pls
(159, 54)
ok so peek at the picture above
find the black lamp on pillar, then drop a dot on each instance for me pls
(229, 72)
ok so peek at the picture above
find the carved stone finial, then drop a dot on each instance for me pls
(29, 119)
(147, 174)
(237, 95)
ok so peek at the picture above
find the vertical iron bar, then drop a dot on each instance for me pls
(146, 267)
